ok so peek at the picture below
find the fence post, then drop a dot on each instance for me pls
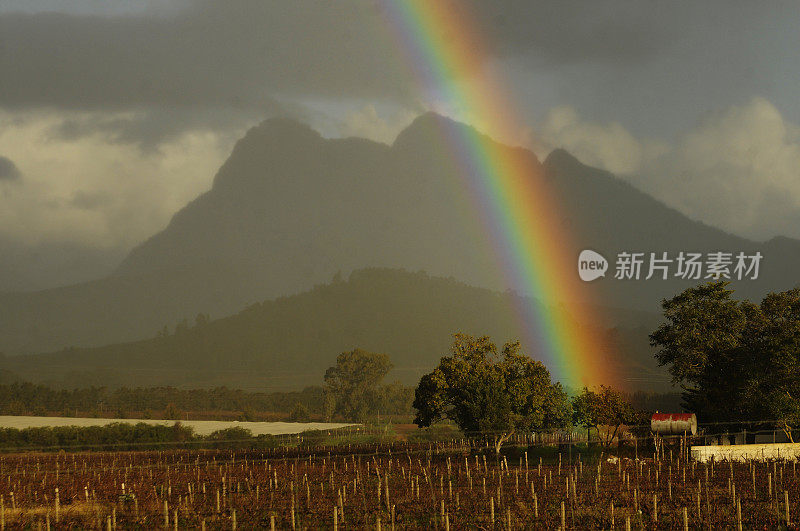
(655, 508)
(786, 504)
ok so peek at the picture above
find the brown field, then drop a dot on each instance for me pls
(456, 485)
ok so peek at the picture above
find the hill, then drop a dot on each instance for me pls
(287, 343)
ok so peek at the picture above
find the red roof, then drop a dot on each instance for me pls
(672, 416)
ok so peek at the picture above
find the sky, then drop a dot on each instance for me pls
(114, 114)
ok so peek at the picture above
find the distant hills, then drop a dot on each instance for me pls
(289, 209)
(289, 342)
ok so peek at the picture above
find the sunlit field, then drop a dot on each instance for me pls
(200, 427)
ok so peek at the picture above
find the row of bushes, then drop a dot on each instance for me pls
(122, 436)
(25, 398)
(142, 436)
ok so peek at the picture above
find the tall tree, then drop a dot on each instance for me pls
(736, 360)
(701, 342)
(704, 324)
(483, 390)
(352, 383)
(772, 339)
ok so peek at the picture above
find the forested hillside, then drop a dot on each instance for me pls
(287, 343)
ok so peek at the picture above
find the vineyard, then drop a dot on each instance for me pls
(454, 485)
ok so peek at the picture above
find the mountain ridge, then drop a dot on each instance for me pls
(289, 208)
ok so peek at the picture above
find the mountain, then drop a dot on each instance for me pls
(288, 343)
(289, 208)
(294, 208)
(286, 211)
(610, 216)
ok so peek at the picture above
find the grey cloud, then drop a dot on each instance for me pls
(233, 54)
(149, 127)
(626, 33)
(8, 170)
(649, 65)
(241, 53)
(89, 200)
(736, 169)
(570, 31)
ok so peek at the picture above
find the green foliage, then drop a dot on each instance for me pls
(353, 382)
(28, 398)
(247, 415)
(119, 435)
(394, 399)
(606, 408)
(773, 341)
(290, 341)
(737, 361)
(300, 413)
(171, 412)
(704, 327)
(482, 390)
(234, 437)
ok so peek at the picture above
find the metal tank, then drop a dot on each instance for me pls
(673, 423)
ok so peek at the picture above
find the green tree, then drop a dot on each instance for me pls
(772, 340)
(483, 390)
(701, 342)
(395, 399)
(606, 408)
(300, 413)
(704, 323)
(736, 360)
(171, 412)
(351, 384)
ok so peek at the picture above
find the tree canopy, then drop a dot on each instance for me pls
(485, 390)
(604, 407)
(352, 384)
(736, 360)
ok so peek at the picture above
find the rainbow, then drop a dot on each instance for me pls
(445, 51)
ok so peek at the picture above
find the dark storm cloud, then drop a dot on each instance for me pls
(8, 170)
(251, 57)
(230, 54)
(571, 31)
(241, 53)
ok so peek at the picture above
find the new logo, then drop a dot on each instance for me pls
(591, 265)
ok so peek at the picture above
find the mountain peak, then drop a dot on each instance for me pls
(275, 141)
(561, 158)
(424, 128)
(282, 128)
